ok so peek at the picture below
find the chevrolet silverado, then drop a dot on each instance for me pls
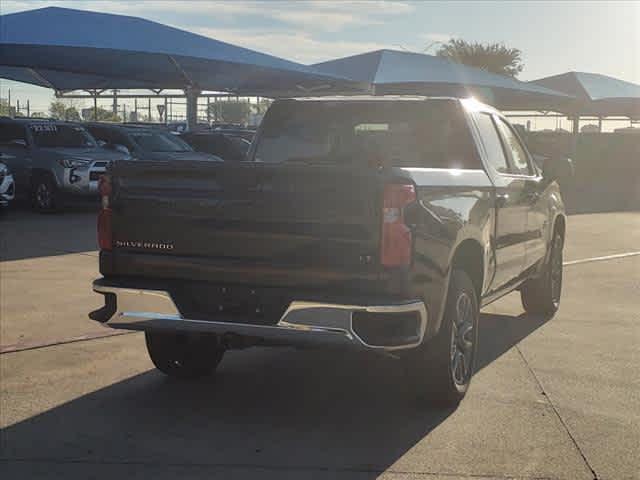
(379, 223)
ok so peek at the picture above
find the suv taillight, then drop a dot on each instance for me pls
(396, 241)
(104, 217)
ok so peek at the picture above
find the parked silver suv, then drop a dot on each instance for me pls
(52, 160)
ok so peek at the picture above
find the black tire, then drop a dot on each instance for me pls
(44, 194)
(435, 369)
(184, 356)
(541, 295)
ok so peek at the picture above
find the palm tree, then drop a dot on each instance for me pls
(492, 57)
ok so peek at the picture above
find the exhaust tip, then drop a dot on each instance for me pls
(387, 329)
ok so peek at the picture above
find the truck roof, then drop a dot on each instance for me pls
(468, 103)
(366, 98)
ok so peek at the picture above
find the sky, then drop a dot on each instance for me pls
(555, 37)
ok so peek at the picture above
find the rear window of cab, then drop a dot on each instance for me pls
(429, 134)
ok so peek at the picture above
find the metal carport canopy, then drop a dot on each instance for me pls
(596, 94)
(70, 49)
(398, 72)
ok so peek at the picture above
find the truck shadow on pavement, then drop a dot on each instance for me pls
(277, 411)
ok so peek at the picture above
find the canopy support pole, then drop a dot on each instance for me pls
(94, 95)
(192, 95)
(574, 136)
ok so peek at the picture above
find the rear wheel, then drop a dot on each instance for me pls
(44, 194)
(184, 356)
(441, 369)
(541, 295)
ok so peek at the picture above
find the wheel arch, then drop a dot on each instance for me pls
(560, 225)
(469, 256)
(39, 172)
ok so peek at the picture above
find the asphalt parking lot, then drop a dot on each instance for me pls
(552, 399)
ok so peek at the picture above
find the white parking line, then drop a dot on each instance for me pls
(35, 345)
(601, 259)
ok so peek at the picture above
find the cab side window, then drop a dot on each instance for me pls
(110, 135)
(98, 133)
(495, 153)
(120, 138)
(519, 158)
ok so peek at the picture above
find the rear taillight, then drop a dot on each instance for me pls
(104, 217)
(104, 229)
(395, 247)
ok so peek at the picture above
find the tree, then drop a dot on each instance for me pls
(230, 112)
(492, 57)
(60, 111)
(104, 115)
(6, 110)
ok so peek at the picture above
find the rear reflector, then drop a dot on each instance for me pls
(395, 247)
(104, 229)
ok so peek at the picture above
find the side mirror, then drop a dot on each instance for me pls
(557, 168)
(18, 143)
(101, 143)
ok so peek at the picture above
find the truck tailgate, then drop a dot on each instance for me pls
(243, 221)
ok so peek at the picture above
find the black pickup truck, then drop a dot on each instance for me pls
(380, 223)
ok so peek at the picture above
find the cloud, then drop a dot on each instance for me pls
(328, 16)
(294, 34)
(437, 37)
(306, 48)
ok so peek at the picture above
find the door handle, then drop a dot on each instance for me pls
(501, 199)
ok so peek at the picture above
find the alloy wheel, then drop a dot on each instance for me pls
(462, 340)
(43, 196)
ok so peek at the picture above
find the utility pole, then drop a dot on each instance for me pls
(165, 111)
(115, 102)
(149, 120)
(95, 106)
(17, 107)
(28, 109)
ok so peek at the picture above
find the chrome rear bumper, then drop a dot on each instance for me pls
(303, 323)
